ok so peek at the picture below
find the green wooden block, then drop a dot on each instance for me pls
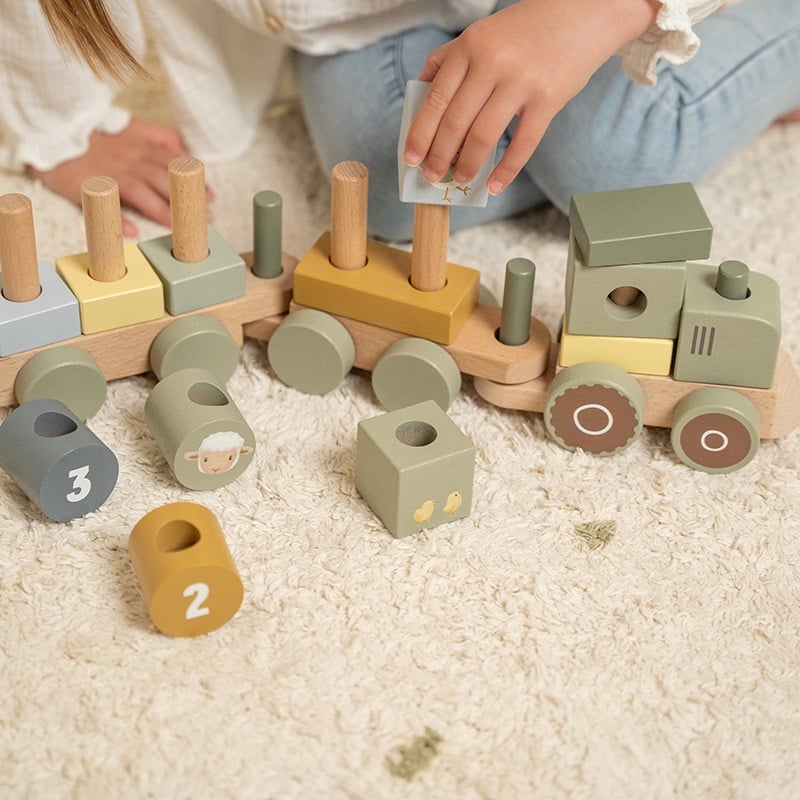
(591, 309)
(199, 430)
(218, 277)
(414, 468)
(640, 226)
(728, 341)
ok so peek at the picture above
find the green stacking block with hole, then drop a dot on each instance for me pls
(414, 468)
(653, 313)
(641, 226)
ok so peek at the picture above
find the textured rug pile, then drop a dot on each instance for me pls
(598, 628)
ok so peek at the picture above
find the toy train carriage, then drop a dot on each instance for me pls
(636, 302)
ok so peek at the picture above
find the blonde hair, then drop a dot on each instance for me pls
(84, 28)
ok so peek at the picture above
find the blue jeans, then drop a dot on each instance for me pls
(613, 134)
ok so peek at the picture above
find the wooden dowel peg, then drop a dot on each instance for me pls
(349, 188)
(102, 220)
(429, 248)
(18, 260)
(625, 295)
(515, 322)
(187, 198)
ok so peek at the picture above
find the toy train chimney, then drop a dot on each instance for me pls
(515, 322)
(733, 280)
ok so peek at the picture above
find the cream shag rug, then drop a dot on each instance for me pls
(512, 654)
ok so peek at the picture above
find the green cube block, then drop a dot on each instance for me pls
(414, 468)
(641, 226)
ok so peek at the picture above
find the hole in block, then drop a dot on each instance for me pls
(51, 425)
(206, 394)
(626, 302)
(177, 535)
(416, 433)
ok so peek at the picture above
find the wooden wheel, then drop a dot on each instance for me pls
(311, 351)
(715, 430)
(596, 407)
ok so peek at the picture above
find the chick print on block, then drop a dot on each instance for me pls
(414, 468)
(413, 186)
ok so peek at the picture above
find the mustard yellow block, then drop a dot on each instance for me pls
(104, 305)
(186, 573)
(380, 293)
(643, 356)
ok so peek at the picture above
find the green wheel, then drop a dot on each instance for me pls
(66, 373)
(412, 370)
(715, 430)
(311, 351)
(594, 407)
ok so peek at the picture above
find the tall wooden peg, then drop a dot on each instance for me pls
(18, 259)
(103, 222)
(429, 249)
(187, 193)
(349, 188)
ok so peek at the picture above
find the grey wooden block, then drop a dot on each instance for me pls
(414, 468)
(51, 317)
(267, 234)
(199, 430)
(56, 460)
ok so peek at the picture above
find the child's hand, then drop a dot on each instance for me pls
(526, 60)
(137, 158)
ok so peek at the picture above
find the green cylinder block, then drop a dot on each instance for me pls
(267, 234)
(199, 430)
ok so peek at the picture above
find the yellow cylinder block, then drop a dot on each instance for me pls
(185, 570)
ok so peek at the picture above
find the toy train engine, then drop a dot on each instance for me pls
(636, 302)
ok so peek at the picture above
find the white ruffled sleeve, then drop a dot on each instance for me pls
(50, 102)
(671, 38)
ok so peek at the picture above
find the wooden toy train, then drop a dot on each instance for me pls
(650, 337)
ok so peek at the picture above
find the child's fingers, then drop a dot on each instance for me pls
(487, 128)
(141, 196)
(524, 141)
(425, 124)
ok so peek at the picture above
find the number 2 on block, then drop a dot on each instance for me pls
(196, 607)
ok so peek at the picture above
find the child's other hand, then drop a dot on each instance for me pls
(137, 158)
(527, 60)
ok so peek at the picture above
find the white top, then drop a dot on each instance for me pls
(223, 58)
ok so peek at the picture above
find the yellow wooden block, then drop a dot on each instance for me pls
(104, 305)
(380, 292)
(643, 356)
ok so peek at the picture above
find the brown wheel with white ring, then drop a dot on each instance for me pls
(715, 430)
(594, 407)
